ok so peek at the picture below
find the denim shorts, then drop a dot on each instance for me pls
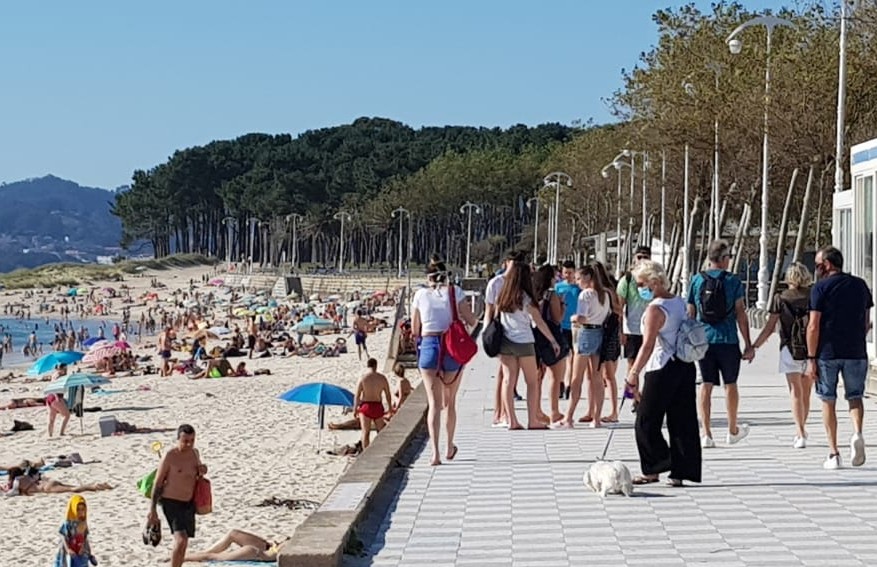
(428, 355)
(854, 372)
(589, 341)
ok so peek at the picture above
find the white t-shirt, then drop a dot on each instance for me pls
(591, 309)
(435, 307)
(517, 327)
(494, 286)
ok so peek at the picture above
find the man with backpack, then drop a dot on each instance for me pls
(840, 318)
(716, 299)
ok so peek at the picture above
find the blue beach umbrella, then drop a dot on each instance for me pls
(91, 340)
(75, 380)
(48, 362)
(319, 394)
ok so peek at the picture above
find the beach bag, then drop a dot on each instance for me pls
(145, 484)
(610, 348)
(713, 301)
(456, 341)
(203, 497)
(798, 331)
(491, 338)
(691, 341)
(544, 351)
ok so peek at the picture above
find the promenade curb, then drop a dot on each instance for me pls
(321, 539)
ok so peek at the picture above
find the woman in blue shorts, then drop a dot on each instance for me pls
(431, 317)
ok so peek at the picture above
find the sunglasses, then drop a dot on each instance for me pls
(641, 257)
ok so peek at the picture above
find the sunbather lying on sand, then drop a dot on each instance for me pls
(251, 548)
(21, 484)
(17, 403)
(25, 464)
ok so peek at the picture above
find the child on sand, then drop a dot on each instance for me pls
(372, 388)
(75, 549)
(404, 388)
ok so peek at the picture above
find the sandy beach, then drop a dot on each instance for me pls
(256, 446)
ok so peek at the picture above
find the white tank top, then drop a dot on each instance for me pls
(665, 346)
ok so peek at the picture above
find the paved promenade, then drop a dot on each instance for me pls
(517, 498)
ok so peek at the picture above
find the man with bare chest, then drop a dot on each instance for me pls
(174, 489)
(165, 345)
(371, 391)
(360, 332)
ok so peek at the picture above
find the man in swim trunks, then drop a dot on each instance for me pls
(165, 345)
(175, 489)
(371, 390)
(360, 331)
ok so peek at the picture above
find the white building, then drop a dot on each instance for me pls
(853, 226)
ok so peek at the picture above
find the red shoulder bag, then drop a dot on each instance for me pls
(456, 341)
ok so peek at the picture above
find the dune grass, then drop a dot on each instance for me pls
(54, 275)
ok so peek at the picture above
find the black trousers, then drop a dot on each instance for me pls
(669, 392)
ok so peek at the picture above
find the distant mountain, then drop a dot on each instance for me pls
(49, 219)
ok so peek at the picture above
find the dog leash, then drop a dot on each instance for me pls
(612, 430)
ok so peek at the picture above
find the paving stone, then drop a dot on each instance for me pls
(517, 498)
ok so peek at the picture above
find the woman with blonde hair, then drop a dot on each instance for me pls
(668, 390)
(518, 310)
(593, 307)
(432, 315)
(790, 308)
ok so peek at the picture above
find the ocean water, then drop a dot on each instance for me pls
(20, 329)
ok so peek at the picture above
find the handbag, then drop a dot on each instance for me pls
(544, 351)
(145, 484)
(456, 341)
(491, 337)
(203, 497)
(610, 349)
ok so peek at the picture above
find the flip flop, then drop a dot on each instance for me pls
(453, 454)
(586, 419)
(675, 483)
(608, 420)
(644, 480)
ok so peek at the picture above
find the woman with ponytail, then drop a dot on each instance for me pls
(431, 318)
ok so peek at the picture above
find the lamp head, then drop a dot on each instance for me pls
(625, 153)
(605, 174)
(735, 46)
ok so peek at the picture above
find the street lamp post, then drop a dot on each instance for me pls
(401, 211)
(686, 230)
(841, 96)
(230, 223)
(554, 179)
(617, 164)
(535, 227)
(468, 207)
(293, 253)
(736, 46)
(342, 216)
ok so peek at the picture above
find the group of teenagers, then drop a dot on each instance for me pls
(573, 324)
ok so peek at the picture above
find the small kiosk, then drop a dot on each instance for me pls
(854, 211)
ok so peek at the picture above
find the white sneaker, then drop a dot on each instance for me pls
(857, 450)
(832, 462)
(560, 425)
(742, 432)
(707, 442)
(800, 442)
(500, 424)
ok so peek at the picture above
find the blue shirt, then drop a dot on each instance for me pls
(569, 294)
(843, 301)
(724, 332)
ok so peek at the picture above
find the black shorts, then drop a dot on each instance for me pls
(721, 364)
(180, 515)
(632, 345)
(251, 342)
(567, 333)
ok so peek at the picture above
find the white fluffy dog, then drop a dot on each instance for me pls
(609, 478)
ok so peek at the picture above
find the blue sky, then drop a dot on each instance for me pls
(93, 90)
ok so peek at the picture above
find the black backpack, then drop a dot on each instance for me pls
(713, 301)
(798, 331)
